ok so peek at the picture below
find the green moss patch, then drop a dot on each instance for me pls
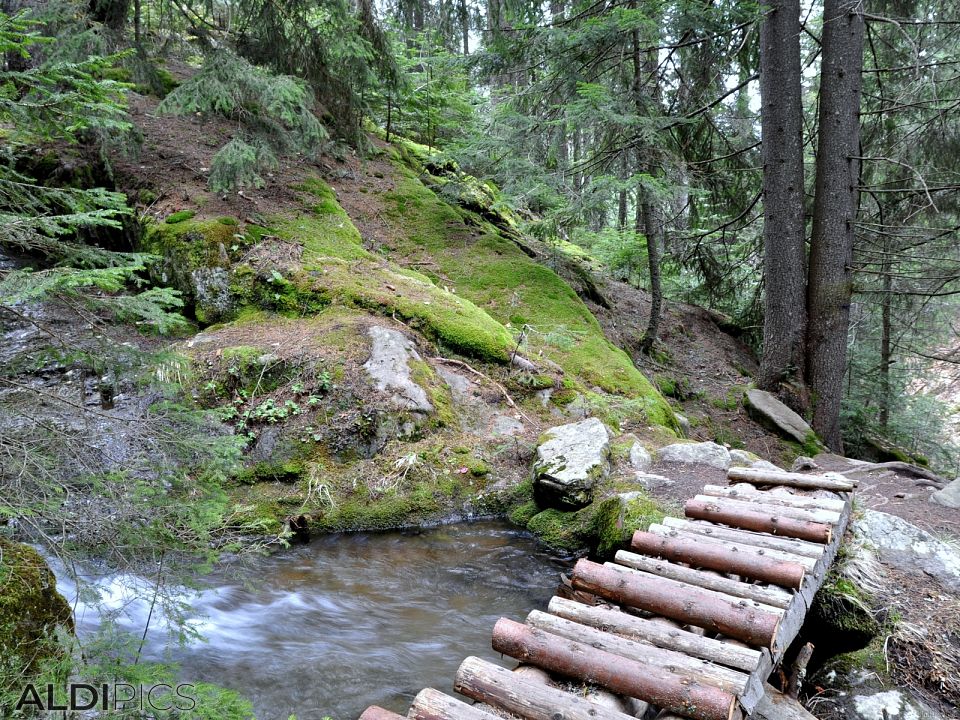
(31, 610)
(497, 276)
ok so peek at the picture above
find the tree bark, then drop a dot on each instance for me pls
(836, 200)
(781, 127)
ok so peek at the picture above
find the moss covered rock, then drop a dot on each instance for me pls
(31, 609)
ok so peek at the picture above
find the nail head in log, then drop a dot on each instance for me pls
(375, 712)
(718, 557)
(761, 522)
(678, 601)
(623, 676)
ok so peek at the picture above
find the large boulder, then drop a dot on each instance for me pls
(31, 610)
(570, 461)
(949, 496)
(897, 542)
(705, 453)
(772, 413)
(389, 368)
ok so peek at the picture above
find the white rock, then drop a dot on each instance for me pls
(949, 496)
(640, 458)
(389, 369)
(571, 461)
(888, 705)
(705, 453)
(650, 481)
(765, 465)
(897, 542)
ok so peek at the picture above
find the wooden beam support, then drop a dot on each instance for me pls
(715, 511)
(758, 503)
(375, 712)
(626, 677)
(810, 550)
(432, 704)
(797, 480)
(705, 554)
(787, 498)
(670, 531)
(727, 679)
(769, 595)
(656, 633)
(679, 601)
(491, 684)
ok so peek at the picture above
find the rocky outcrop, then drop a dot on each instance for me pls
(769, 411)
(705, 453)
(897, 542)
(865, 704)
(949, 496)
(570, 461)
(389, 368)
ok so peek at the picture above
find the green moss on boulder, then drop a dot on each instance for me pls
(31, 610)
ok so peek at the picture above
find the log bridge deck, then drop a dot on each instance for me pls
(692, 619)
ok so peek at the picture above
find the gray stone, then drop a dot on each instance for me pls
(571, 461)
(765, 465)
(897, 542)
(705, 453)
(389, 369)
(211, 289)
(803, 463)
(949, 496)
(640, 458)
(506, 425)
(684, 424)
(650, 481)
(742, 458)
(774, 414)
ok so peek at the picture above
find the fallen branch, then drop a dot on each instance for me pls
(798, 672)
(897, 466)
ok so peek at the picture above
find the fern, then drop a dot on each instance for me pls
(275, 112)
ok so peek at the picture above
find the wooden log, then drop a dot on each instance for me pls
(817, 515)
(746, 537)
(797, 480)
(432, 704)
(732, 681)
(483, 681)
(668, 531)
(718, 557)
(757, 521)
(627, 677)
(774, 705)
(678, 601)
(776, 496)
(656, 633)
(774, 599)
(375, 712)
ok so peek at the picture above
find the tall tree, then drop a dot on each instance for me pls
(784, 263)
(836, 199)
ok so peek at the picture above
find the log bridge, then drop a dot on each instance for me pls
(693, 619)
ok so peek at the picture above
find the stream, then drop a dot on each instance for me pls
(347, 621)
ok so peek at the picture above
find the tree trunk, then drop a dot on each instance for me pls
(465, 26)
(781, 126)
(836, 198)
(885, 331)
(653, 230)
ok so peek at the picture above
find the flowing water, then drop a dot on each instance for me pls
(328, 628)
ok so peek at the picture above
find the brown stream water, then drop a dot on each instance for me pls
(329, 628)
